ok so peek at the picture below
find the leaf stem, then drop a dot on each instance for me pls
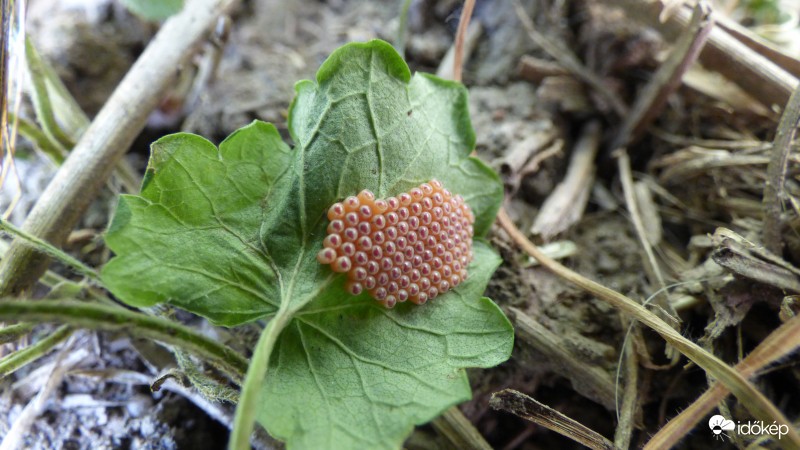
(246, 409)
(49, 249)
(29, 354)
(39, 138)
(101, 317)
(41, 99)
(13, 332)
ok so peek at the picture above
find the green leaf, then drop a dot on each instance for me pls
(232, 234)
(367, 124)
(356, 375)
(153, 9)
(191, 237)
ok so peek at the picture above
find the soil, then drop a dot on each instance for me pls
(105, 400)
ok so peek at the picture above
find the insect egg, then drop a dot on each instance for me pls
(412, 247)
(354, 287)
(351, 203)
(336, 211)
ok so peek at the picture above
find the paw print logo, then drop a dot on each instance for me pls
(718, 424)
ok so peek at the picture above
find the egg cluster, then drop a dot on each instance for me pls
(411, 247)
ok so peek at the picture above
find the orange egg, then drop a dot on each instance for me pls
(412, 247)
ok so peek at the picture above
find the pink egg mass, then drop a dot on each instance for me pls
(414, 246)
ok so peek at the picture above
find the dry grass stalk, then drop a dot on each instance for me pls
(651, 265)
(694, 161)
(667, 78)
(463, 24)
(446, 68)
(534, 69)
(716, 86)
(744, 390)
(526, 407)
(780, 343)
(651, 219)
(760, 45)
(774, 189)
(627, 411)
(459, 431)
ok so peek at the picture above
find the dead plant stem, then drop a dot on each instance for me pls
(766, 81)
(747, 393)
(463, 23)
(650, 261)
(528, 408)
(627, 412)
(454, 426)
(774, 194)
(667, 78)
(781, 342)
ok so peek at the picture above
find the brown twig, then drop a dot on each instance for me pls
(526, 407)
(463, 23)
(774, 193)
(103, 144)
(667, 78)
